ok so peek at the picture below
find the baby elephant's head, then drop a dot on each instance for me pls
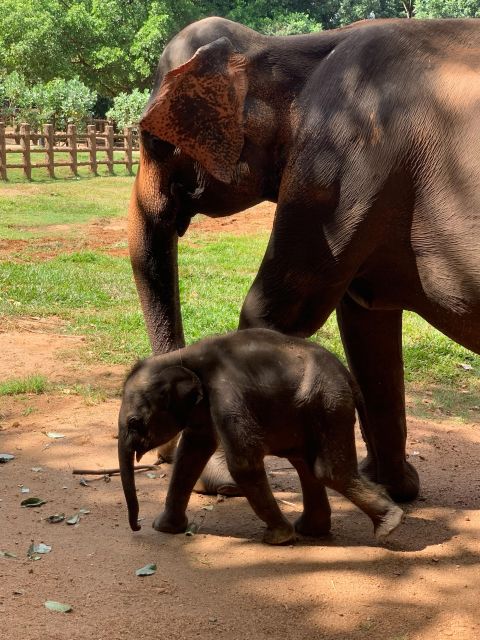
(156, 404)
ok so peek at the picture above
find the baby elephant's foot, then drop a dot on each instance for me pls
(312, 527)
(389, 522)
(169, 524)
(285, 534)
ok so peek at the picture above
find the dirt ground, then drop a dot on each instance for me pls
(222, 582)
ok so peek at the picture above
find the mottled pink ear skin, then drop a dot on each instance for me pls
(199, 108)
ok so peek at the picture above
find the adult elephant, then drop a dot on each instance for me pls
(368, 138)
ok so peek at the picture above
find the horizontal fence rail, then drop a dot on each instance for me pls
(99, 146)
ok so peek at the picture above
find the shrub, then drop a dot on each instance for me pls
(128, 107)
(57, 101)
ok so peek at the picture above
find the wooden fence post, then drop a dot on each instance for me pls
(128, 144)
(72, 144)
(25, 144)
(49, 144)
(92, 147)
(109, 146)
(3, 152)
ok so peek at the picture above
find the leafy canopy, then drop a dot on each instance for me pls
(112, 46)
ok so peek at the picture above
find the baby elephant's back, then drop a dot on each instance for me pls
(293, 374)
(326, 385)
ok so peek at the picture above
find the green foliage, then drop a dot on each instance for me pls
(288, 24)
(111, 45)
(447, 8)
(65, 100)
(280, 18)
(128, 107)
(14, 95)
(303, 16)
(352, 10)
(56, 101)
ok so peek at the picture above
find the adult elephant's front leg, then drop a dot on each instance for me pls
(373, 344)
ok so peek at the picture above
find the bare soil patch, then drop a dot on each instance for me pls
(222, 582)
(257, 219)
(110, 235)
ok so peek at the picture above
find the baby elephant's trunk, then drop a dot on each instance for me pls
(126, 460)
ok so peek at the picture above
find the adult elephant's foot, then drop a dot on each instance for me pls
(312, 526)
(402, 484)
(216, 478)
(169, 523)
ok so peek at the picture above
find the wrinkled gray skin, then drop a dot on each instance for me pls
(368, 139)
(258, 393)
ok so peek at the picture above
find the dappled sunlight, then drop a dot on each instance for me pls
(340, 587)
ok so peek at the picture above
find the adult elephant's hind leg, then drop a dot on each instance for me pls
(373, 344)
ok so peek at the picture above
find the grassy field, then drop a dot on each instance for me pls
(92, 290)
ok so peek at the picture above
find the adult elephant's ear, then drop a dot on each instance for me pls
(199, 108)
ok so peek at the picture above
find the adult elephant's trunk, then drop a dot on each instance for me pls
(126, 460)
(156, 218)
(153, 246)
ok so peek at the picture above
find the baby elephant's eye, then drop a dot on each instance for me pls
(135, 423)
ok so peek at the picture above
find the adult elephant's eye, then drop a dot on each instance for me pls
(157, 148)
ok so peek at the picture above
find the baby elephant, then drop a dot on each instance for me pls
(257, 393)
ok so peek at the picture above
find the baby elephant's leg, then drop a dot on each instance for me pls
(251, 478)
(371, 498)
(374, 501)
(336, 465)
(315, 520)
(193, 453)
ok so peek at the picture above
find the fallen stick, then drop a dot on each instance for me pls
(112, 472)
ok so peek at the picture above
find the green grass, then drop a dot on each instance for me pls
(27, 211)
(18, 386)
(93, 292)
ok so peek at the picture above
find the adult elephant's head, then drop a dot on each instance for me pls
(208, 144)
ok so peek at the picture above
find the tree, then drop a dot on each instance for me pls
(447, 8)
(110, 45)
(284, 17)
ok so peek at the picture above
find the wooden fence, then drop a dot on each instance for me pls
(100, 148)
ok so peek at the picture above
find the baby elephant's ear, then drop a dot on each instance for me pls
(181, 391)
